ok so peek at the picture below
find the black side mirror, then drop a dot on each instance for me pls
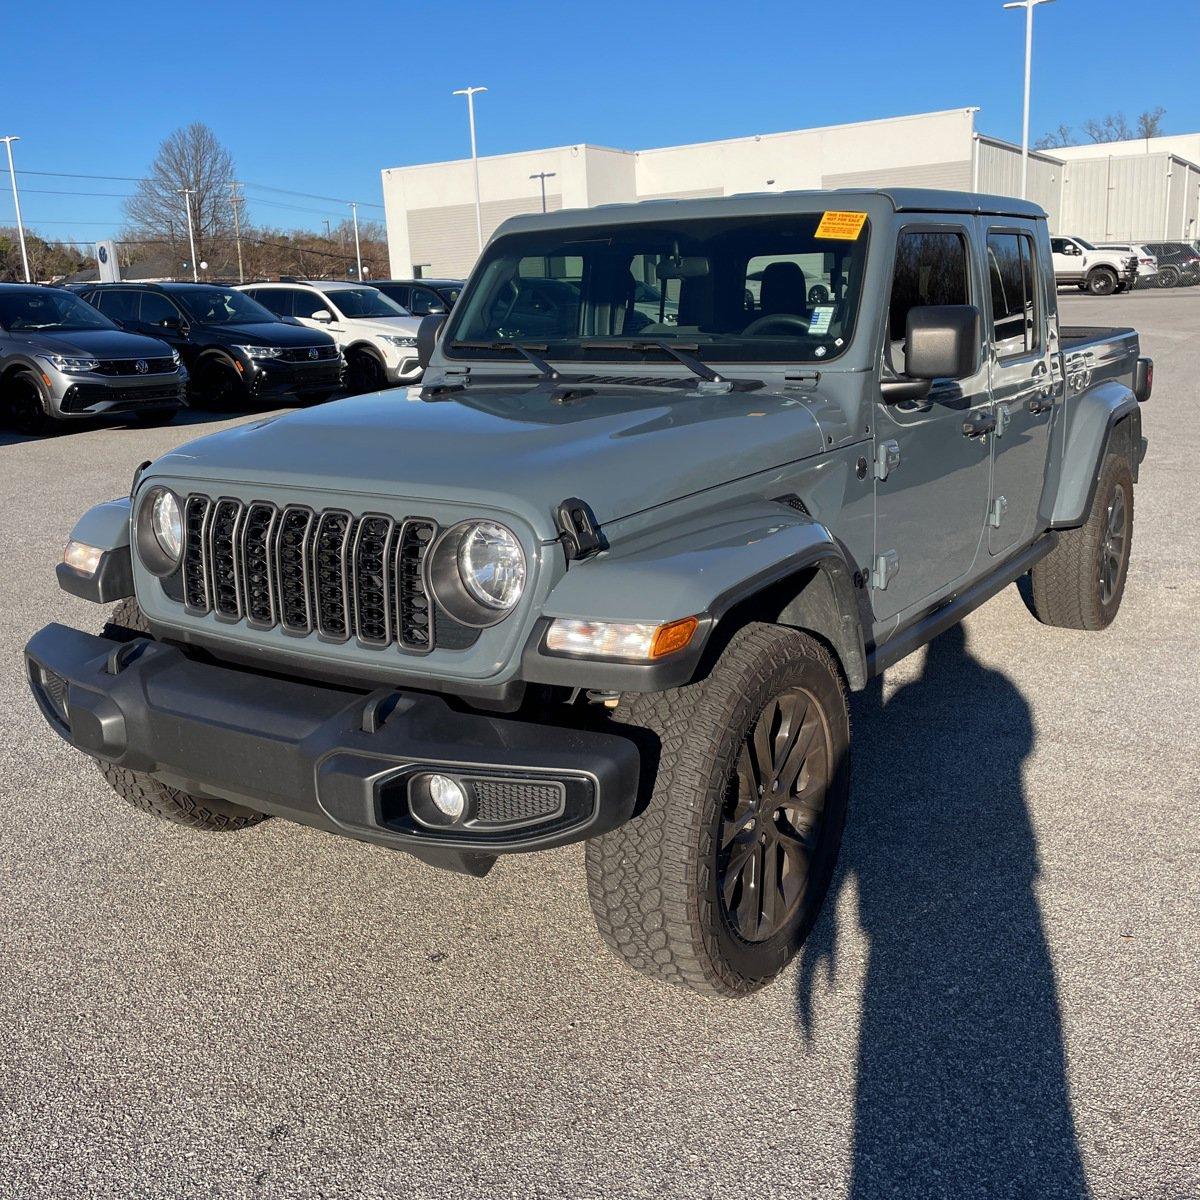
(942, 342)
(428, 332)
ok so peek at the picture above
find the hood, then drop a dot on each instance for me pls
(270, 333)
(404, 326)
(95, 343)
(515, 449)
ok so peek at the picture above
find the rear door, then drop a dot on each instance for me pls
(932, 454)
(1018, 355)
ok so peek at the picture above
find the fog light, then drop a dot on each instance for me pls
(448, 796)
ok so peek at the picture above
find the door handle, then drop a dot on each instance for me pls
(979, 424)
(1039, 404)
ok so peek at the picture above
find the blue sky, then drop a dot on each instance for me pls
(318, 97)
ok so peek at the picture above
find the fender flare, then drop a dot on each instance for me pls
(1106, 415)
(105, 526)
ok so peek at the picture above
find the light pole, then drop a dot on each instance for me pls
(8, 141)
(543, 176)
(1028, 6)
(471, 93)
(237, 231)
(187, 196)
(357, 248)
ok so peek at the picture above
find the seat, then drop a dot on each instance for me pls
(783, 289)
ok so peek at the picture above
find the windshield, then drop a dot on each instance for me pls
(364, 302)
(731, 289)
(1085, 245)
(48, 310)
(222, 306)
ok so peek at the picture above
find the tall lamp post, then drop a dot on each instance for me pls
(186, 193)
(471, 93)
(542, 176)
(237, 230)
(8, 141)
(357, 247)
(1028, 6)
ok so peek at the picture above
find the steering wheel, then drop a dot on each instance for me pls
(786, 321)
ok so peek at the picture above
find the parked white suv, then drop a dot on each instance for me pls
(1091, 269)
(377, 336)
(1147, 273)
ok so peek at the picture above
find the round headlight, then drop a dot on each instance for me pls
(167, 522)
(159, 530)
(491, 565)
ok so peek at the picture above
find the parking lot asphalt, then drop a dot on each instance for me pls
(1000, 1000)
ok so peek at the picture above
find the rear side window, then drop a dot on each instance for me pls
(1015, 327)
(931, 268)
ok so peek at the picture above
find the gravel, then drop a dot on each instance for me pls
(1000, 1000)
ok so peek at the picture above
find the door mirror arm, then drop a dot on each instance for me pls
(896, 391)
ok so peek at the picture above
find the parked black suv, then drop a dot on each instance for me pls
(235, 350)
(1178, 263)
(421, 296)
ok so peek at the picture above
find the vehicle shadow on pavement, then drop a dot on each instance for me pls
(961, 1086)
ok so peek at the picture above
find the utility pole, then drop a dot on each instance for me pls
(8, 141)
(237, 231)
(542, 176)
(187, 196)
(1028, 6)
(357, 247)
(471, 93)
(328, 237)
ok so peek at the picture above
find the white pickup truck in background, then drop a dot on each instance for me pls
(1100, 272)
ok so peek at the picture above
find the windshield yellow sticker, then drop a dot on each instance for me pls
(844, 226)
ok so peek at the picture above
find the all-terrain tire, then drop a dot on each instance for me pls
(145, 792)
(1102, 281)
(653, 883)
(1069, 588)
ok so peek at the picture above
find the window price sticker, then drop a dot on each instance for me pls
(821, 319)
(841, 226)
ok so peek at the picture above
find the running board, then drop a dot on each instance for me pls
(926, 628)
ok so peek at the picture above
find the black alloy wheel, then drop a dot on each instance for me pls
(773, 822)
(366, 373)
(1113, 545)
(219, 387)
(27, 406)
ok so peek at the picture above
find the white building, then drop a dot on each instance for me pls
(430, 209)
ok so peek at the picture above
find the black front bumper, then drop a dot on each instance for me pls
(340, 760)
(306, 381)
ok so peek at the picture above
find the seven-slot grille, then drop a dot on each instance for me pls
(330, 573)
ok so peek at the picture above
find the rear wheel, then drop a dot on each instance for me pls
(1102, 281)
(716, 884)
(28, 405)
(1168, 277)
(1080, 583)
(364, 371)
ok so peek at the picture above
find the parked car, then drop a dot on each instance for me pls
(1147, 264)
(62, 361)
(1178, 263)
(1090, 268)
(610, 588)
(377, 336)
(420, 297)
(237, 352)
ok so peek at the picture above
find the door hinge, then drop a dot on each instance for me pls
(997, 511)
(886, 566)
(887, 459)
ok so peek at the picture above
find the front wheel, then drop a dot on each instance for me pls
(28, 405)
(218, 387)
(1102, 281)
(1168, 277)
(716, 884)
(364, 371)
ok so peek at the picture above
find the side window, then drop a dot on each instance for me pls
(157, 309)
(1015, 328)
(931, 268)
(1059, 246)
(276, 300)
(119, 305)
(420, 301)
(305, 303)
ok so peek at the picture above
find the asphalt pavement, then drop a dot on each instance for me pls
(1000, 1000)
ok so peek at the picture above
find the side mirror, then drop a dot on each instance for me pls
(428, 332)
(323, 315)
(942, 342)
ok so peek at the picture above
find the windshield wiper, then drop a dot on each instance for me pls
(679, 352)
(543, 368)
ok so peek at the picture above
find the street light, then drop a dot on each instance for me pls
(543, 176)
(471, 93)
(186, 193)
(1028, 6)
(8, 141)
(357, 247)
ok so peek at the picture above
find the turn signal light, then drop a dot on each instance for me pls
(673, 637)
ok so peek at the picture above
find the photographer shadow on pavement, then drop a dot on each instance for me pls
(961, 1087)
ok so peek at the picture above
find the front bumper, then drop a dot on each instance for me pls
(99, 396)
(406, 370)
(340, 760)
(306, 381)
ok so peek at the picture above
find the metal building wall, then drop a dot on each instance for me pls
(998, 171)
(1132, 198)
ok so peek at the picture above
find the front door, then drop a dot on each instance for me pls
(1022, 383)
(931, 502)
(1068, 260)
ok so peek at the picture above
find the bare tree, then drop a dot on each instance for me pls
(190, 158)
(1055, 138)
(1112, 128)
(1150, 123)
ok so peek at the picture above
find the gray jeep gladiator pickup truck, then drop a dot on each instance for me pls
(608, 573)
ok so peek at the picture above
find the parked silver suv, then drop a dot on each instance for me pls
(61, 360)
